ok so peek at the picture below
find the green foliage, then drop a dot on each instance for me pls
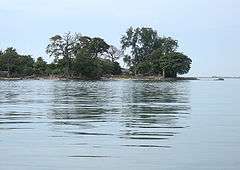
(106, 66)
(16, 64)
(63, 47)
(98, 46)
(77, 56)
(110, 68)
(51, 69)
(40, 67)
(144, 68)
(87, 67)
(127, 59)
(82, 56)
(117, 70)
(140, 42)
(25, 65)
(150, 53)
(175, 63)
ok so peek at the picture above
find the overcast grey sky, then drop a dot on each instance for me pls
(208, 30)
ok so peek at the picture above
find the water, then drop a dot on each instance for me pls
(140, 125)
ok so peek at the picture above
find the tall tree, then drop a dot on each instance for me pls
(152, 54)
(113, 53)
(168, 45)
(63, 47)
(94, 46)
(140, 42)
(98, 47)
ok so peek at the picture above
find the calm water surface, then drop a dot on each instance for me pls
(142, 125)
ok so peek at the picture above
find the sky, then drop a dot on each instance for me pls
(208, 31)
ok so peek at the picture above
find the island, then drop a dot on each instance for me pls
(146, 55)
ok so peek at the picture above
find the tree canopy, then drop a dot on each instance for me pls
(40, 67)
(149, 53)
(16, 64)
(82, 56)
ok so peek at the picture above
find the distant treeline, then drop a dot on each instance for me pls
(76, 56)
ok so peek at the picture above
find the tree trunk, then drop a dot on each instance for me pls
(163, 73)
(175, 75)
(67, 59)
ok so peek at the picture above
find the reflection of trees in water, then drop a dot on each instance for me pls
(145, 111)
(78, 103)
(23, 103)
(153, 110)
(156, 101)
(9, 92)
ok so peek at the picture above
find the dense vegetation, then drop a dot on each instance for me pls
(78, 56)
(75, 56)
(15, 64)
(83, 56)
(151, 54)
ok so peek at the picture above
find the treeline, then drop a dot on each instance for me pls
(77, 56)
(13, 64)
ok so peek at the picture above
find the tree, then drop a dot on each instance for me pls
(25, 65)
(63, 47)
(16, 64)
(98, 47)
(144, 68)
(149, 53)
(88, 66)
(89, 60)
(110, 68)
(174, 63)
(8, 60)
(127, 59)
(140, 42)
(85, 66)
(114, 53)
(40, 67)
(168, 45)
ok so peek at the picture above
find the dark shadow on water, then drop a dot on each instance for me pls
(89, 156)
(147, 146)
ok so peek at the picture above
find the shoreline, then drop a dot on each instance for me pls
(121, 77)
(148, 78)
